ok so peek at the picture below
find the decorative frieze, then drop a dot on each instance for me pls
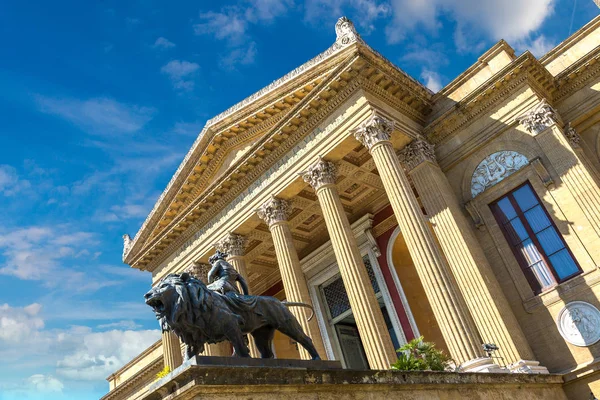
(374, 130)
(494, 168)
(320, 173)
(274, 210)
(538, 118)
(232, 244)
(415, 153)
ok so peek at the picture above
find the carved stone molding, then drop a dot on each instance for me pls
(415, 153)
(474, 213)
(274, 210)
(579, 323)
(199, 270)
(572, 135)
(232, 244)
(538, 118)
(320, 173)
(374, 130)
(345, 33)
(494, 168)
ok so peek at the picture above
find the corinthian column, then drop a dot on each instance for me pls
(446, 301)
(234, 246)
(491, 312)
(275, 213)
(365, 307)
(171, 350)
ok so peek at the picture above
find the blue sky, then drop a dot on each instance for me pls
(101, 100)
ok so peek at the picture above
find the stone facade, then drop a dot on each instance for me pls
(349, 186)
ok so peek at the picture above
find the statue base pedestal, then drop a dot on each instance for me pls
(219, 378)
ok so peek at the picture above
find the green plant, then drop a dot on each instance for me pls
(418, 355)
(165, 371)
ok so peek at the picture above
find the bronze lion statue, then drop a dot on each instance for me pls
(198, 315)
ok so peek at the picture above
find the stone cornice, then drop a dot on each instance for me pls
(578, 75)
(524, 70)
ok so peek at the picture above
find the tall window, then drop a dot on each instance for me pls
(538, 246)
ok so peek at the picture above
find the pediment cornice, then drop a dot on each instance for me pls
(526, 69)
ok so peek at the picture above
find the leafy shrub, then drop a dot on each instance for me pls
(165, 371)
(418, 355)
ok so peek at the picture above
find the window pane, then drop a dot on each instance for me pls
(542, 274)
(525, 197)
(563, 264)
(537, 218)
(550, 241)
(530, 252)
(516, 231)
(507, 208)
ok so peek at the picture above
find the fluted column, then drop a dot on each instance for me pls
(223, 349)
(447, 303)
(275, 213)
(171, 350)
(365, 307)
(491, 312)
(234, 246)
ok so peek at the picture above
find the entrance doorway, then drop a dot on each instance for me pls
(344, 334)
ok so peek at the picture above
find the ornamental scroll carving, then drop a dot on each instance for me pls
(494, 168)
(539, 118)
(374, 130)
(579, 323)
(345, 33)
(274, 210)
(572, 135)
(320, 173)
(416, 152)
(199, 270)
(232, 244)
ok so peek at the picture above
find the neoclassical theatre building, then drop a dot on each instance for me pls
(467, 216)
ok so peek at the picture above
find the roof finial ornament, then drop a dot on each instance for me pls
(345, 32)
(127, 242)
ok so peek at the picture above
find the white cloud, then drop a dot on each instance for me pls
(511, 20)
(163, 43)
(239, 56)
(98, 354)
(125, 324)
(230, 24)
(45, 384)
(538, 46)
(432, 80)
(367, 11)
(181, 73)
(100, 115)
(18, 324)
(10, 183)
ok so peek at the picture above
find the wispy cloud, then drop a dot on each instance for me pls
(163, 43)
(99, 115)
(181, 73)
(229, 24)
(239, 56)
(432, 80)
(10, 182)
(538, 46)
(511, 20)
(369, 11)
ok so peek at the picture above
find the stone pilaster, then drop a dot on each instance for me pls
(365, 307)
(234, 245)
(491, 312)
(171, 350)
(275, 213)
(446, 301)
(564, 153)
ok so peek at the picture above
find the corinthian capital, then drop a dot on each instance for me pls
(374, 130)
(198, 270)
(274, 210)
(415, 153)
(232, 244)
(538, 118)
(320, 173)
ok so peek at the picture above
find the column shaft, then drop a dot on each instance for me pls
(294, 284)
(448, 305)
(365, 307)
(171, 350)
(486, 301)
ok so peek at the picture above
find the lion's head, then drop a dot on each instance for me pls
(177, 299)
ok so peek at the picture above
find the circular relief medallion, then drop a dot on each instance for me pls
(579, 323)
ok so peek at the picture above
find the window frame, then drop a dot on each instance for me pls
(526, 268)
